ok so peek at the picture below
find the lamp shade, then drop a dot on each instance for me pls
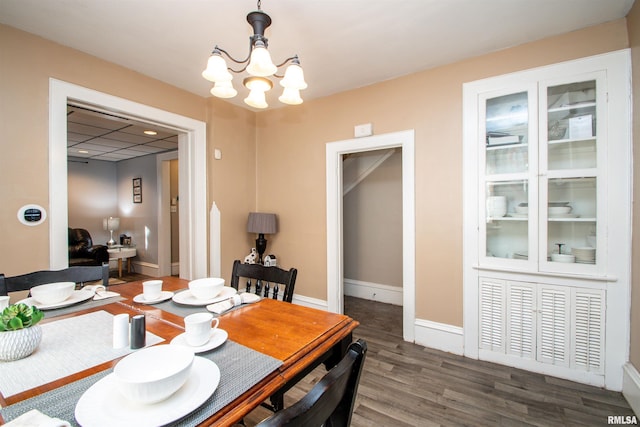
(224, 90)
(216, 70)
(290, 96)
(111, 223)
(262, 223)
(260, 63)
(294, 78)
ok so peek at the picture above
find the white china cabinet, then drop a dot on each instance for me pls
(547, 214)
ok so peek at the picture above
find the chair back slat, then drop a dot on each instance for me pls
(330, 402)
(77, 274)
(265, 280)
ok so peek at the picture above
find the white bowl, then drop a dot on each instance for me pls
(153, 374)
(522, 209)
(559, 210)
(563, 258)
(207, 288)
(52, 293)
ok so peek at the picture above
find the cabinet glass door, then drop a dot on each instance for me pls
(507, 219)
(569, 187)
(507, 125)
(571, 220)
(571, 126)
(507, 181)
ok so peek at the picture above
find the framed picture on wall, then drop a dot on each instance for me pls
(137, 190)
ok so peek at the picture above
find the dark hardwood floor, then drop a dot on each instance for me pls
(405, 384)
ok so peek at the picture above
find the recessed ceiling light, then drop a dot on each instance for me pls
(150, 132)
(83, 151)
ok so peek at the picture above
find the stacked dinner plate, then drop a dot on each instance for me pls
(584, 255)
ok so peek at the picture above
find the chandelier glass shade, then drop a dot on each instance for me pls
(259, 66)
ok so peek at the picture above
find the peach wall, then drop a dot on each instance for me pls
(231, 181)
(291, 165)
(26, 64)
(633, 25)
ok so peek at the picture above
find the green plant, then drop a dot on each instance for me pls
(19, 316)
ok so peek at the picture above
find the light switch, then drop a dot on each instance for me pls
(217, 154)
(363, 130)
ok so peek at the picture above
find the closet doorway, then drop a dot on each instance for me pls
(335, 231)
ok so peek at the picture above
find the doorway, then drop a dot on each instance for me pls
(335, 255)
(192, 161)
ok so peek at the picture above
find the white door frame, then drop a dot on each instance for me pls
(164, 213)
(335, 273)
(192, 166)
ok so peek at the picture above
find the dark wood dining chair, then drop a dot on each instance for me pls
(265, 280)
(79, 274)
(330, 402)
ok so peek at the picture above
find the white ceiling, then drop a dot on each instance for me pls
(342, 44)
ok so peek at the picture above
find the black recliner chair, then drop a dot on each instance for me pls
(82, 251)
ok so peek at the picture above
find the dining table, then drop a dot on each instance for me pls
(270, 346)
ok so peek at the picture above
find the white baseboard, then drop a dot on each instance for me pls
(373, 291)
(430, 334)
(175, 268)
(439, 336)
(631, 386)
(310, 302)
(146, 268)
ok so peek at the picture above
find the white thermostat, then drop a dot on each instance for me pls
(32, 215)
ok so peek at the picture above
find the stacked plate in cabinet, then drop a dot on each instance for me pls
(584, 255)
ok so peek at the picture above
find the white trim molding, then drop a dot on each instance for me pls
(192, 170)
(309, 302)
(373, 291)
(631, 386)
(335, 274)
(439, 336)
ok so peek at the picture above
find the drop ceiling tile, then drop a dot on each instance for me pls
(167, 145)
(127, 137)
(111, 143)
(147, 149)
(86, 129)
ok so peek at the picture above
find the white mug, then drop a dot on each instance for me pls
(4, 302)
(152, 289)
(198, 328)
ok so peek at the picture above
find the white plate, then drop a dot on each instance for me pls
(74, 298)
(165, 295)
(218, 337)
(103, 405)
(187, 298)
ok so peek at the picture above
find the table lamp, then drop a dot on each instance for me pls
(111, 224)
(261, 224)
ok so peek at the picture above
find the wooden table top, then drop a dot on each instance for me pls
(296, 335)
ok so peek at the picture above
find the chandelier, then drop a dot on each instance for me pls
(259, 66)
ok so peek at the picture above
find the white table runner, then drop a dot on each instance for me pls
(68, 346)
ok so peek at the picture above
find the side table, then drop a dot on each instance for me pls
(120, 253)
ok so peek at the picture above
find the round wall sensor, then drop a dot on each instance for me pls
(32, 215)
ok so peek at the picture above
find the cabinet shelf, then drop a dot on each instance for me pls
(570, 107)
(507, 146)
(569, 140)
(550, 219)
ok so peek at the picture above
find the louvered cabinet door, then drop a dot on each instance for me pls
(492, 315)
(587, 335)
(554, 325)
(521, 320)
